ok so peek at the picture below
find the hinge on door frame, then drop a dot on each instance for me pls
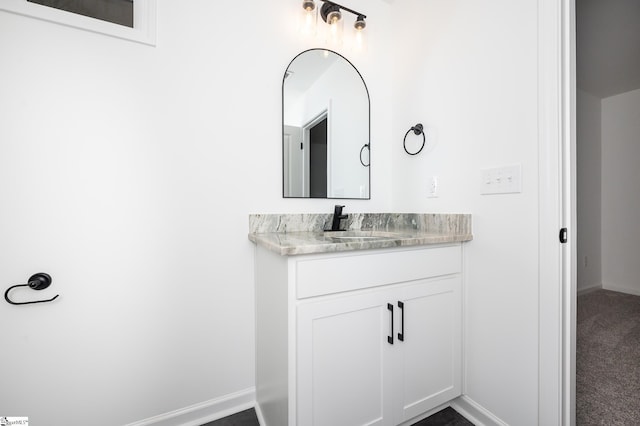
(563, 235)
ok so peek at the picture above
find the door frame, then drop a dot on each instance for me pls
(306, 138)
(557, 195)
(570, 258)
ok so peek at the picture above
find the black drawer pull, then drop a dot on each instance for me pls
(401, 334)
(390, 336)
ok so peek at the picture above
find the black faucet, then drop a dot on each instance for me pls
(337, 217)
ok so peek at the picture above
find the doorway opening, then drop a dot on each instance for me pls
(316, 138)
(607, 115)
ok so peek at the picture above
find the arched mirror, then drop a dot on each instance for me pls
(325, 127)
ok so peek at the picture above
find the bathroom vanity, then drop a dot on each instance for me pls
(362, 327)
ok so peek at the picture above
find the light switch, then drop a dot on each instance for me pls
(501, 180)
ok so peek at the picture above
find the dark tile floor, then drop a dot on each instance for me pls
(446, 417)
(243, 418)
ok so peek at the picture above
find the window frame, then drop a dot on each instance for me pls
(144, 19)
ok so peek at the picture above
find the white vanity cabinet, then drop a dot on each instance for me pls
(367, 337)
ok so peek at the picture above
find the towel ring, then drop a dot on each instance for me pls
(366, 145)
(418, 129)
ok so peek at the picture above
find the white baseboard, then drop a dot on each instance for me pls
(204, 412)
(621, 289)
(475, 413)
(215, 409)
(259, 415)
(589, 289)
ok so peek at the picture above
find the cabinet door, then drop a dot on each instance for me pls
(343, 361)
(431, 346)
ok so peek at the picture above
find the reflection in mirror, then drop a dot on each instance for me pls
(325, 114)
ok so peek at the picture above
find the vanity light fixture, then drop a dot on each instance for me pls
(332, 14)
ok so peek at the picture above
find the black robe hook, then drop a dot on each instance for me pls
(38, 281)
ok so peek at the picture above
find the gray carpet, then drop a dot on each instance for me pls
(608, 359)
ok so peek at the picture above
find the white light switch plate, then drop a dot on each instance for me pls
(501, 180)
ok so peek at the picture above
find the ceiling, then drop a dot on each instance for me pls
(306, 68)
(608, 46)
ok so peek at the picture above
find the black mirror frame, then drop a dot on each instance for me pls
(284, 77)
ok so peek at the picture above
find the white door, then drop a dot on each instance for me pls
(343, 361)
(430, 318)
(293, 162)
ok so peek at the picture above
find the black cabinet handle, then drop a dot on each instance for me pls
(390, 336)
(401, 334)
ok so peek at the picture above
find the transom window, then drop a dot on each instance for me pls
(116, 11)
(133, 20)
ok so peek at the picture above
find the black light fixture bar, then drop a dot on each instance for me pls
(358, 14)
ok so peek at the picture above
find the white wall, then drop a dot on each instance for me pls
(589, 190)
(468, 72)
(127, 172)
(620, 202)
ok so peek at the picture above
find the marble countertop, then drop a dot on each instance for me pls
(303, 234)
(292, 243)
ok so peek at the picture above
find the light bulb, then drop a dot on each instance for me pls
(309, 18)
(335, 28)
(359, 35)
(334, 17)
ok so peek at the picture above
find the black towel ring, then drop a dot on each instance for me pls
(366, 145)
(38, 281)
(418, 129)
